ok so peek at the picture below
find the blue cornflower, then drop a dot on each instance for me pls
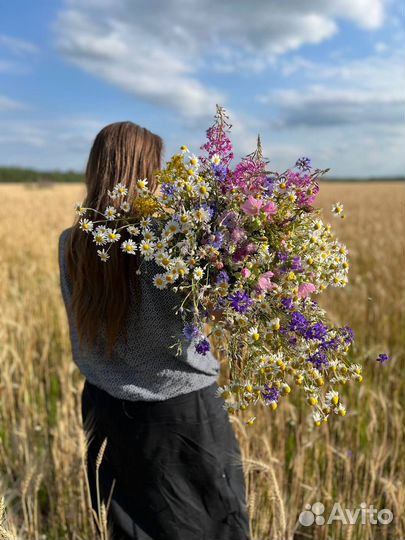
(203, 346)
(218, 240)
(318, 359)
(316, 331)
(271, 394)
(240, 301)
(383, 357)
(168, 189)
(222, 277)
(191, 331)
(287, 303)
(298, 322)
(296, 264)
(303, 163)
(347, 334)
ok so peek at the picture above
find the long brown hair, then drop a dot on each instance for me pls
(122, 152)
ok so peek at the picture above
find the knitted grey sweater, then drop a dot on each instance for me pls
(144, 368)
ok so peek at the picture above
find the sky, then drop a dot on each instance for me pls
(320, 78)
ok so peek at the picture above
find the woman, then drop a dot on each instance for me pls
(170, 466)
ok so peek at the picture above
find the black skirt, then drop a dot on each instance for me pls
(171, 469)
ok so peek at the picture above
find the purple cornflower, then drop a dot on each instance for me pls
(303, 163)
(191, 331)
(347, 334)
(316, 331)
(287, 303)
(296, 265)
(383, 357)
(222, 277)
(298, 322)
(220, 172)
(217, 240)
(203, 346)
(318, 359)
(271, 394)
(240, 301)
(168, 189)
(283, 256)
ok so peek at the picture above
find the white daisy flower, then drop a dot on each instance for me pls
(80, 209)
(102, 229)
(86, 225)
(100, 238)
(146, 248)
(170, 277)
(194, 162)
(254, 333)
(332, 397)
(337, 208)
(201, 215)
(110, 212)
(163, 259)
(133, 231)
(216, 159)
(159, 281)
(148, 235)
(180, 267)
(103, 255)
(112, 235)
(145, 222)
(171, 228)
(121, 189)
(202, 189)
(128, 246)
(142, 185)
(125, 206)
(198, 273)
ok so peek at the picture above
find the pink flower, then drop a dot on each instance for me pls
(245, 272)
(252, 206)
(238, 234)
(264, 281)
(305, 289)
(270, 208)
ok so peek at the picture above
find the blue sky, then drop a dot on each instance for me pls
(324, 79)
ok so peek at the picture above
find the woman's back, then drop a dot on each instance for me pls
(144, 368)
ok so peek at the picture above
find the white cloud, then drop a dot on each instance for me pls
(17, 46)
(8, 104)
(156, 51)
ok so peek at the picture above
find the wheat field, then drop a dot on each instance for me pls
(287, 462)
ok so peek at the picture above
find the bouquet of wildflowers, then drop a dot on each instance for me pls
(248, 252)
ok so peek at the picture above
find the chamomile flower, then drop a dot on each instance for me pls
(198, 273)
(223, 391)
(171, 228)
(112, 235)
(201, 215)
(184, 148)
(194, 160)
(159, 281)
(332, 397)
(100, 238)
(86, 225)
(121, 189)
(133, 231)
(180, 267)
(254, 334)
(275, 324)
(216, 159)
(145, 222)
(164, 259)
(337, 208)
(317, 418)
(218, 333)
(80, 210)
(128, 246)
(102, 253)
(125, 206)
(142, 185)
(146, 249)
(148, 235)
(110, 212)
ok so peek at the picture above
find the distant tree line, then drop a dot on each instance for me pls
(18, 174)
